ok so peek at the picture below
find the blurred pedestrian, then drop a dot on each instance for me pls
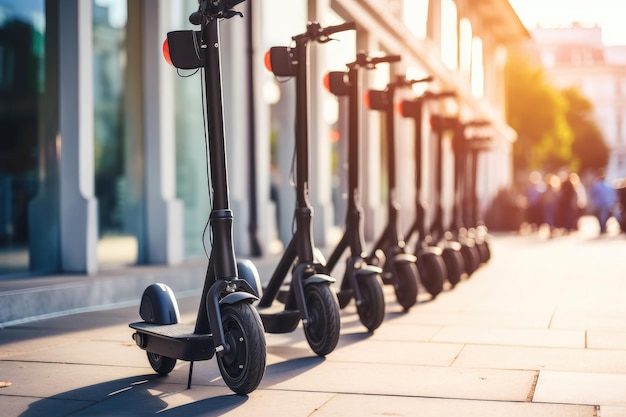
(621, 202)
(534, 209)
(602, 197)
(549, 200)
(567, 204)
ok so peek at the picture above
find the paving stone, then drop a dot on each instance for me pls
(512, 337)
(604, 339)
(537, 358)
(581, 388)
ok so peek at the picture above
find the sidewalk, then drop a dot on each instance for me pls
(538, 331)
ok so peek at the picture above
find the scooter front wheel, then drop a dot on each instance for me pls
(405, 284)
(371, 309)
(243, 365)
(322, 330)
(162, 365)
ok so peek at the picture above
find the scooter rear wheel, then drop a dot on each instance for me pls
(322, 330)
(372, 307)
(432, 272)
(162, 365)
(243, 365)
(405, 284)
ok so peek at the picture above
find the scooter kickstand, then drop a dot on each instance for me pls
(190, 373)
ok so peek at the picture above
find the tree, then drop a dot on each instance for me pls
(589, 149)
(536, 110)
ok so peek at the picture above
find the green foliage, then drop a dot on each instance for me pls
(589, 149)
(536, 110)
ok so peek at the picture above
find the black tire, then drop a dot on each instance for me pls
(432, 271)
(322, 330)
(162, 365)
(485, 251)
(454, 265)
(405, 279)
(372, 308)
(243, 366)
(471, 258)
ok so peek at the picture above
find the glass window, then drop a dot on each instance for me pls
(449, 38)
(22, 31)
(415, 17)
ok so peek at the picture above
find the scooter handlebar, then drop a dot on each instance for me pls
(329, 30)
(315, 32)
(388, 59)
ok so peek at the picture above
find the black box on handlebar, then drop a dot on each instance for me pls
(378, 99)
(185, 48)
(282, 61)
(338, 83)
(410, 108)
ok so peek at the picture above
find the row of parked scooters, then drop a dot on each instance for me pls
(235, 311)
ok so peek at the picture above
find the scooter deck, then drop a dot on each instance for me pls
(278, 320)
(174, 340)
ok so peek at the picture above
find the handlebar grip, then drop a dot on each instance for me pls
(329, 30)
(388, 58)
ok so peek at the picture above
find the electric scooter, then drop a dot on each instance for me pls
(309, 297)
(478, 230)
(460, 233)
(399, 267)
(453, 252)
(430, 259)
(227, 324)
(361, 280)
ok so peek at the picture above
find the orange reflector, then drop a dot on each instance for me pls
(268, 61)
(367, 100)
(326, 81)
(166, 52)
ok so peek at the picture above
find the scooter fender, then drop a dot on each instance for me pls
(401, 258)
(238, 296)
(248, 272)
(158, 305)
(318, 279)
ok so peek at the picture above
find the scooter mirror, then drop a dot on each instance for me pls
(336, 83)
(280, 61)
(375, 99)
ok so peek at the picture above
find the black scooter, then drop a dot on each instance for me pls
(309, 296)
(399, 267)
(477, 230)
(361, 280)
(227, 324)
(458, 228)
(454, 252)
(430, 258)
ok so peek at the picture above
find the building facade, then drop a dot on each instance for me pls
(576, 56)
(102, 160)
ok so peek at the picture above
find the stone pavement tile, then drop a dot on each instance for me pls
(391, 330)
(376, 406)
(415, 353)
(590, 319)
(581, 388)
(512, 357)
(407, 380)
(528, 319)
(609, 411)
(514, 337)
(13, 406)
(68, 381)
(604, 339)
(169, 400)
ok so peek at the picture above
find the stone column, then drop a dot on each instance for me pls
(78, 206)
(164, 213)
